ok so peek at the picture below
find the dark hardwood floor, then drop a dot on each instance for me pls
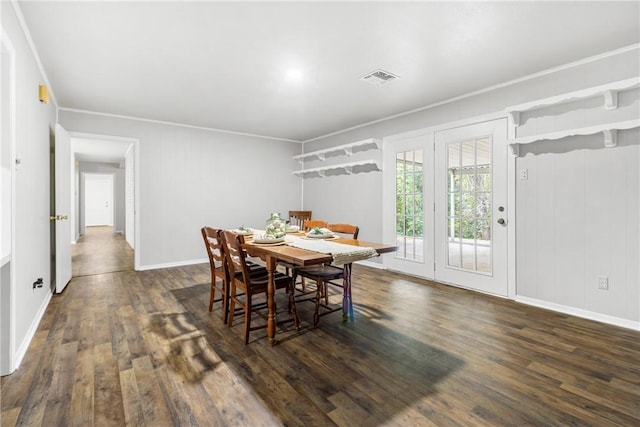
(100, 251)
(140, 348)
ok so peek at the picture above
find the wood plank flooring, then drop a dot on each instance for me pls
(141, 349)
(90, 257)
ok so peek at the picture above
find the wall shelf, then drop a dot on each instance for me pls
(341, 169)
(609, 131)
(345, 149)
(608, 91)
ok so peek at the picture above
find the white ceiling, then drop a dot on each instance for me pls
(99, 150)
(224, 65)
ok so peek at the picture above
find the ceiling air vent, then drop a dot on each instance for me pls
(379, 77)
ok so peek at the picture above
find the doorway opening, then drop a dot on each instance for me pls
(103, 204)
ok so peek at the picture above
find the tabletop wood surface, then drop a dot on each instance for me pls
(303, 257)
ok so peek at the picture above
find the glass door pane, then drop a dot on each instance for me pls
(409, 205)
(469, 203)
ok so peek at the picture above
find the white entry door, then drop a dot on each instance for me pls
(98, 199)
(471, 207)
(63, 207)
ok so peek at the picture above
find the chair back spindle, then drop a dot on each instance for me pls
(299, 217)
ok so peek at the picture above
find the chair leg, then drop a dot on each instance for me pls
(225, 301)
(247, 317)
(292, 305)
(316, 314)
(212, 295)
(325, 290)
(232, 305)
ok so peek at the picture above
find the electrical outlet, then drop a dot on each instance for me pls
(524, 174)
(603, 282)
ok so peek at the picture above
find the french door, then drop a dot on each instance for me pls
(471, 207)
(408, 203)
(445, 205)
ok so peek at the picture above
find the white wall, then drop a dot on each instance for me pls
(578, 219)
(358, 198)
(193, 177)
(34, 133)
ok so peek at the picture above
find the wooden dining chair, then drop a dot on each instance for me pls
(348, 230)
(219, 280)
(324, 275)
(299, 217)
(312, 223)
(214, 244)
(290, 268)
(251, 284)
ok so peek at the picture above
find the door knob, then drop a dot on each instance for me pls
(501, 221)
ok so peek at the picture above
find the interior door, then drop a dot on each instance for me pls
(63, 207)
(471, 207)
(407, 194)
(98, 197)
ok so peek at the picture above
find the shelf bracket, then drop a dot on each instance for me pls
(515, 117)
(610, 138)
(515, 149)
(610, 99)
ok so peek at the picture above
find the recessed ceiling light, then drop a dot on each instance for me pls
(294, 74)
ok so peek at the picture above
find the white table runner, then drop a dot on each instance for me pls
(341, 253)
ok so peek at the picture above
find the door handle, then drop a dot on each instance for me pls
(501, 221)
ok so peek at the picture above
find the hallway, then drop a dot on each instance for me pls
(100, 251)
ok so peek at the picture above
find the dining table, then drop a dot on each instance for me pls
(288, 252)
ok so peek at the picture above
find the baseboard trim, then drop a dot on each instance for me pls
(173, 264)
(371, 264)
(24, 346)
(586, 314)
